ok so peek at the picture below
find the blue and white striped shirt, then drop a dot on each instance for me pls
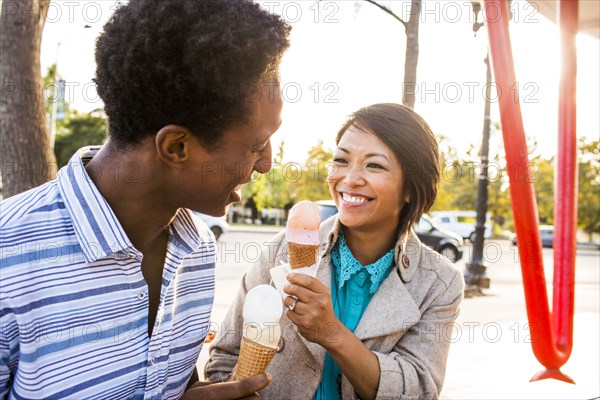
(74, 302)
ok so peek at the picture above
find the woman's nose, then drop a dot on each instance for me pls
(353, 177)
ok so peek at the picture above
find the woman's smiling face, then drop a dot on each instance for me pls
(366, 182)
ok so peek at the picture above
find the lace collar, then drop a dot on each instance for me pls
(346, 265)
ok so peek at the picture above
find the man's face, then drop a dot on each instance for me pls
(216, 176)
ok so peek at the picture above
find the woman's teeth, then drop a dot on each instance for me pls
(354, 199)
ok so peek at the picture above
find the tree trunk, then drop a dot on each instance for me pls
(26, 157)
(412, 55)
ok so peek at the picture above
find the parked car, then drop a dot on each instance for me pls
(327, 208)
(546, 234)
(446, 243)
(218, 225)
(461, 222)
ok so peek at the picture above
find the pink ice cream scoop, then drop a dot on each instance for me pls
(302, 234)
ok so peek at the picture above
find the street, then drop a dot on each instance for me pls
(491, 337)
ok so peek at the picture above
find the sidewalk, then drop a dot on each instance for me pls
(496, 362)
(491, 357)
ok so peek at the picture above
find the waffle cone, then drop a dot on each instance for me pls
(302, 255)
(254, 359)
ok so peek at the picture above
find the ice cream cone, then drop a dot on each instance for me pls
(302, 235)
(262, 332)
(302, 255)
(254, 358)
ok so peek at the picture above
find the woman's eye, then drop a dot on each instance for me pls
(340, 161)
(374, 165)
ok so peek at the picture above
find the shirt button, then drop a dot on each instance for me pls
(151, 361)
(361, 274)
(141, 295)
(356, 301)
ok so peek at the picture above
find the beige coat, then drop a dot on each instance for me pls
(407, 324)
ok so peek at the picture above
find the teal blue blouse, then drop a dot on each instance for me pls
(353, 286)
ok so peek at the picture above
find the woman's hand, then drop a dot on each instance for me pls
(228, 390)
(312, 310)
(316, 321)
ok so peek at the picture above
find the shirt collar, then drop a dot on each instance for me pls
(97, 228)
(186, 231)
(347, 265)
(407, 248)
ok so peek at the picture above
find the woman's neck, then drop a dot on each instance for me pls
(369, 246)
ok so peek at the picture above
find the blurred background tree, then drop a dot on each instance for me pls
(77, 131)
(411, 28)
(27, 158)
(74, 130)
(288, 183)
(542, 176)
(312, 184)
(270, 190)
(588, 206)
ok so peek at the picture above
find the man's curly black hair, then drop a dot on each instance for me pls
(185, 62)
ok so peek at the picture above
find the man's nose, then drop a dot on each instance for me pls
(263, 164)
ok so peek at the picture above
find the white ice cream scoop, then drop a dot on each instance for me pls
(262, 311)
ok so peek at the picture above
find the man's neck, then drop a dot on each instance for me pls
(128, 182)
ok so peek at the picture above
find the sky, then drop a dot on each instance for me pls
(348, 54)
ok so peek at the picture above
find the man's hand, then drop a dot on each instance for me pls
(229, 390)
(312, 311)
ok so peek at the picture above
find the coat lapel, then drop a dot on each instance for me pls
(391, 310)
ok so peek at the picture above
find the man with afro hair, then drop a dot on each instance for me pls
(107, 277)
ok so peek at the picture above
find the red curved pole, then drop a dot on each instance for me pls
(552, 338)
(565, 203)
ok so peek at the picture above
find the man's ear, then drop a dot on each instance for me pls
(173, 144)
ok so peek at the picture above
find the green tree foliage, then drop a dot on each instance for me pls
(460, 178)
(458, 183)
(290, 182)
(313, 184)
(76, 132)
(458, 186)
(50, 90)
(49, 79)
(498, 193)
(542, 177)
(270, 190)
(588, 207)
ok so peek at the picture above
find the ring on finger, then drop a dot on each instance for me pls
(293, 305)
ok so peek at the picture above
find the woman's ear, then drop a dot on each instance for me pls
(407, 199)
(173, 144)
